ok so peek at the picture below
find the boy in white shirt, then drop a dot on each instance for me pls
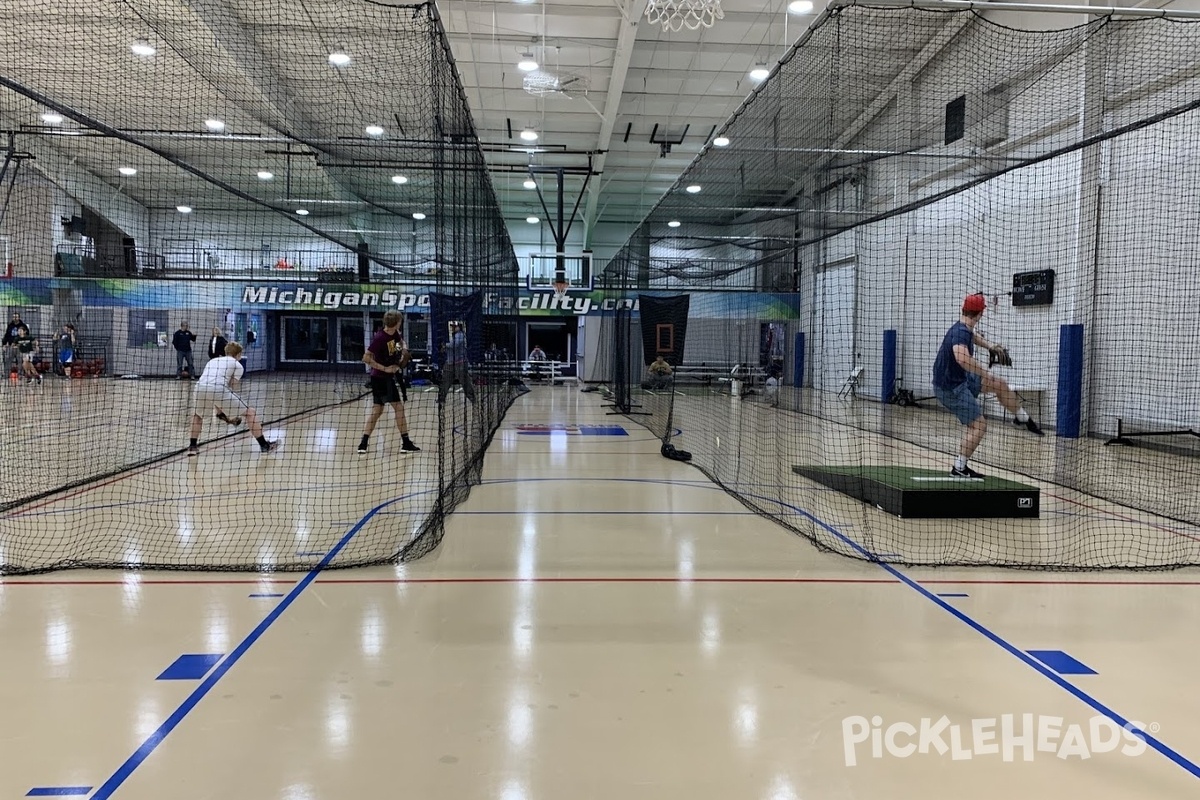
(215, 390)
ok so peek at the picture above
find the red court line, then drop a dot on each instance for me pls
(603, 579)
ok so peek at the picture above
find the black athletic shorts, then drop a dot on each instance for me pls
(384, 390)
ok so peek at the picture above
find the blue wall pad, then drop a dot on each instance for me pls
(888, 371)
(191, 667)
(798, 362)
(1061, 663)
(1070, 381)
(58, 791)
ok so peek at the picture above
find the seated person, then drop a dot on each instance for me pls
(660, 374)
(536, 356)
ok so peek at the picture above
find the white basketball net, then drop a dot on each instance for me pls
(674, 15)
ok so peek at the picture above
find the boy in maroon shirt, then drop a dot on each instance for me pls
(386, 356)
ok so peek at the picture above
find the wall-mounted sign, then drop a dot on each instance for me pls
(1033, 288)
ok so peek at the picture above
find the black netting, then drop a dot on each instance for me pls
(897, 161)
(279, 174)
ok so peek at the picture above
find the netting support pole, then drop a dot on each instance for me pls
(1036, 8)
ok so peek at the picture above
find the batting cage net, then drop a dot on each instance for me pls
(906, 187)
(299, 180)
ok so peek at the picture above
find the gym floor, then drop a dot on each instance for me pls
(598, 622)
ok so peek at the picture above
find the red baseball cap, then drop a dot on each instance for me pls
(974, 303)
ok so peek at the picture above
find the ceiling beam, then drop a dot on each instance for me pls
(626, 39)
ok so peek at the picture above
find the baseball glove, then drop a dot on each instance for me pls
(998, 354)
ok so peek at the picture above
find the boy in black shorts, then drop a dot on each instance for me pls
(386, 357)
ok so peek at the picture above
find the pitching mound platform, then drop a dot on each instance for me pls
(928, 494)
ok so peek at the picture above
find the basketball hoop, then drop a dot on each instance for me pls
(560, 289)
(675, 15)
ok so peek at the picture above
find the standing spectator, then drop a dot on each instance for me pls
(11, 333)
(182, 342)
(455, 366)
(216, 345)
(27, 347)
(67, 344)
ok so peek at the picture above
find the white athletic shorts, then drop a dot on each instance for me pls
(205, 398)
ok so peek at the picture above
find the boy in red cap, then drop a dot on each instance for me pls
(958, 380)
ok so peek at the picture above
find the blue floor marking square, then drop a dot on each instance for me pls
(58, 791)
(1062, 663)
(190, 667)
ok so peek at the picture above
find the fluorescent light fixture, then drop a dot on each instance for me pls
(263, 175)
(530, 183)
(302, 212)
(418, 215)
(721, 141)
(693, 189)
(374, 130)
(673, 223)
(527, 63)
(51, 118)
(184, 209)
(399, 179)
(800, 7)
(128, 172)
(339, 59)
(214, 124)
(532, 220)
(142, 48)
(760, 72)
(529, 135)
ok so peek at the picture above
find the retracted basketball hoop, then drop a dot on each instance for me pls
(674, 15)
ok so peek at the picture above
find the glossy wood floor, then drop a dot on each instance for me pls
(598, 623)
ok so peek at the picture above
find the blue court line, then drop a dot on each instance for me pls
(58, 791)
(190, 667)
(1062, 663)
(158, 736)
(1004, 644)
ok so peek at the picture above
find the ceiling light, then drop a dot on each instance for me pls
(530, 183)
(50, 118)
(214, 124)
(800, 6)
(374, 130)
(673, 223)
(142, 48)
(721, 141)
(529, 135)
(302, 212)
(532, 220)
(693, 189)
(128, 172)
(399, 179)
(263, 175)
(418, 215)
(339, 59)
(527, 63)
(760, 72)
(184, 209)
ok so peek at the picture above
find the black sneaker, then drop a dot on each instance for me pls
(966, 472)
(193, 450)
(1030, 426)
(362, 447)
(409, 447)
(268, 447)
(234, 421)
